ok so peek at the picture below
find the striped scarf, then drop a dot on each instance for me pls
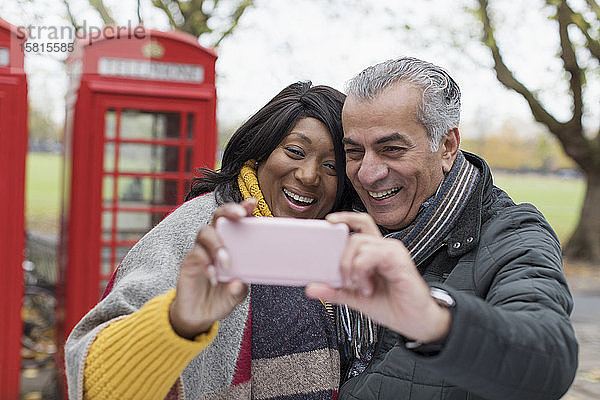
(437, 215)
(292, 340)
(423, 236)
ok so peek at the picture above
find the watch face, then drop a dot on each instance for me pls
(442, 297)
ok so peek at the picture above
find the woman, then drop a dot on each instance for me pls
(207, 339)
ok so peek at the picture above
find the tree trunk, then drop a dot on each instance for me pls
(584, 244)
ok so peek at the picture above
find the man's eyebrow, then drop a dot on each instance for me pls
(349, 141)
(394, 137)
(386, 139)
(302, 136)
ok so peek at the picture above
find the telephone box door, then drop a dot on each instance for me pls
(149, 153)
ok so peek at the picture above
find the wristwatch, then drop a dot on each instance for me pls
(444, 299)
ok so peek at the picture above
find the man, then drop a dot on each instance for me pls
(467, 287)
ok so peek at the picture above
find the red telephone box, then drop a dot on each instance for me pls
(140, 118)
(13, 151)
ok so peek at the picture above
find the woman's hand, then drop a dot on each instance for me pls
(200, 300)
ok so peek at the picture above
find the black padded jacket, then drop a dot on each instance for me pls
(511, 336)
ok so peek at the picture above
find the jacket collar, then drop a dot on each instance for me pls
(467, 228)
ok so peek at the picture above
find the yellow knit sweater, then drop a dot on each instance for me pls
(140, 356)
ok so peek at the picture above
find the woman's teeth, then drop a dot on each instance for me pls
(384, 195)
(299, 199)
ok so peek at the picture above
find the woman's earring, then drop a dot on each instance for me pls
(256, 165)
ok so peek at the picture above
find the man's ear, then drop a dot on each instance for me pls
(449, 148)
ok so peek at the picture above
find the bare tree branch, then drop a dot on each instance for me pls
(572, 139)
(574, 142)
(569, 59)
(577, 19)
(196, 20)
(585, 152)
(235, 18)
(506, 77)
(191, 17)
(161, 5)
(139, 13)
(184, 8)
(103, 11)
(595, 7)
(72, 19)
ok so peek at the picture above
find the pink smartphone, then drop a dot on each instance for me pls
(282, 251)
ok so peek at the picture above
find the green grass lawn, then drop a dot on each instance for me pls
(42, 192)
(557, 198)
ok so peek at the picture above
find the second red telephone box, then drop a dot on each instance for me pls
(13, 151)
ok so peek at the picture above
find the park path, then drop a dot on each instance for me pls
(585, 286)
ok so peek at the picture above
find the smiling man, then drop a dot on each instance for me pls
(467, 286)
(390, 159)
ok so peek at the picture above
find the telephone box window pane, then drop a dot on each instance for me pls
(170, 123)
(137, 124)
(4, 56)
(106, 266)
(133, 225)
(110, 124)
(134, 157)
(107, 190)
(142, 191)
(107, 224)
(188, 159)
(109, 157)
(190, 126)
(134, 190)
(164, 192)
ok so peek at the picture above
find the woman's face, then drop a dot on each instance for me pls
(299, 179)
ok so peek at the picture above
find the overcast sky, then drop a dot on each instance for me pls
(328, 41)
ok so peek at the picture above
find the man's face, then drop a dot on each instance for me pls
(388, 155)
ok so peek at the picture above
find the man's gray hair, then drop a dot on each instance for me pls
(439, 110)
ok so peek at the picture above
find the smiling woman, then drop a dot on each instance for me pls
(299, 177)
(299, 109)
(164, 304)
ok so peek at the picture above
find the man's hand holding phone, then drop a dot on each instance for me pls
(382, 281)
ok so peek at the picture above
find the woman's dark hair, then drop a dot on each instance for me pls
(261, 134)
